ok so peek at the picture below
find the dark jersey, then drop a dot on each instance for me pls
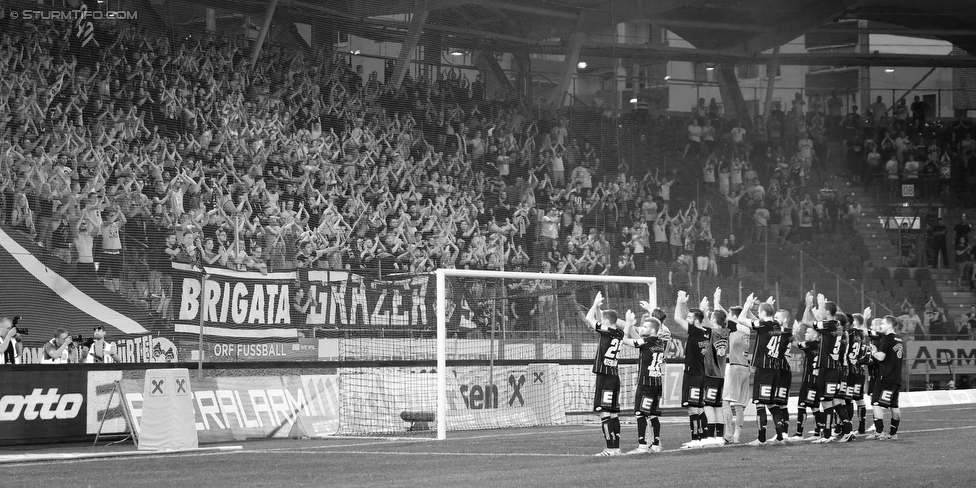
(717, 353)
(858, 351)
(650, 366)
(699, 342)
(768, 338)
(811, 361)
(606, 354)
(890, 367)
(875, 339)
(785, 344)
(831, 345)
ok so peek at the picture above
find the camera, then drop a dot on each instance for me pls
(20, 330)
(77, 338)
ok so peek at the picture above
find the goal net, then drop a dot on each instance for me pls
(502, 350)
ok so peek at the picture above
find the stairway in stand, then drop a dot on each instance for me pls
(955, 300)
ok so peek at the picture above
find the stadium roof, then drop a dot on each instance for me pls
(737, 31)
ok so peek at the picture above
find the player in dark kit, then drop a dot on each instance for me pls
(652, 340)
(874, 339)
(889, 354)
(716, 357)
(833, 370)
(693, 384)
(858, 355)
(809, 398)
(772, 330)
(607, 397)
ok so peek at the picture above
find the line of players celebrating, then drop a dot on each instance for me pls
(837, 347)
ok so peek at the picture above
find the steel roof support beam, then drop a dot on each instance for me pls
(410, 42)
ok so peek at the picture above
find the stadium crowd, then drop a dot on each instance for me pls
(144, 150)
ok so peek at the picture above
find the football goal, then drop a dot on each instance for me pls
(503, 350)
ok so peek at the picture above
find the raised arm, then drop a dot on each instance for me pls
(592, 317)
(681, 310)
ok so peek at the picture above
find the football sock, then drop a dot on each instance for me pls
(656, 428)
(801, 416)
(740, 416)
(709, 431)
(821, 418)
(720, 430)
(894, 426)
(879, 425)
(761, 419)
(777, 424)
(693, 421)
(702, 424)
(784, 422)
(845, 421)
(641, 430)
(862, 413)
(850, 408)
(615, 433)
(607, 434)
(729, 415)
(829, 430)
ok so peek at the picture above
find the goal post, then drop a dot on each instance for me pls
(441, 307)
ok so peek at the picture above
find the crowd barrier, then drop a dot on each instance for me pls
(61, 404)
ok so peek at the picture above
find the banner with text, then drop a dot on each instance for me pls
(40, 405)
(232, 408)
(941, 357)
(251, 305)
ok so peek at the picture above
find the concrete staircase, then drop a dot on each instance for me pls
(881, 249)
(955, 301)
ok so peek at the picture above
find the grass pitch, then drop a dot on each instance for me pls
(935, 449)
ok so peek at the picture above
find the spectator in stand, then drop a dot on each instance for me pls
(910, 323)
(679, 274)
(963, 228)
(625, 267)
(964, 262)
(968, 329)
(761, 217)
(878, 111)
(835, 107)
(900, 112)
(695, 132)
(937, 235)
(919, 109)
(740, 146)
(935, 323)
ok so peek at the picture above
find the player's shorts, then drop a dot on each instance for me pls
(607, 397)
(692, 391)
(781, 396)
(844, 390)
(647, 401)
(713, 391)
(829, 384)
(736, 388)
(855, 385)
(885, 394)
(809, 395)
(764, 386)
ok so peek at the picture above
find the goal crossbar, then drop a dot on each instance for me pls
(441, 280)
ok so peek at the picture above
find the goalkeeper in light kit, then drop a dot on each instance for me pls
(652, 340)
(607, 397)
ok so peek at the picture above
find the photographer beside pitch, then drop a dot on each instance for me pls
(98, 350)
(8, 341)
(56, 350)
